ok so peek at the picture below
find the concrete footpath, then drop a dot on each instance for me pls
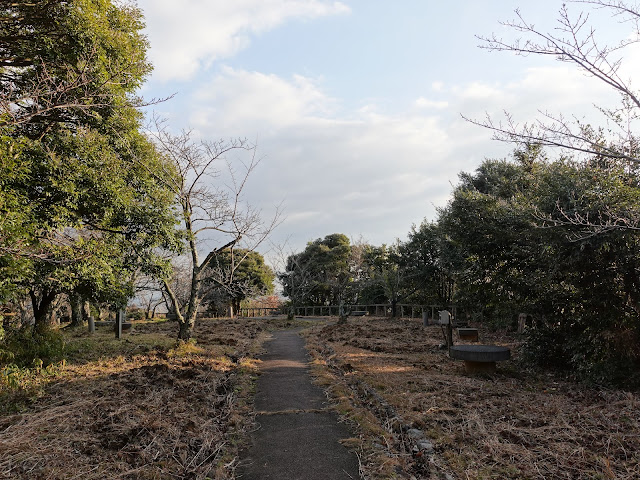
(297, 436)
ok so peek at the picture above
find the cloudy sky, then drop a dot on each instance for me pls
(355, 104)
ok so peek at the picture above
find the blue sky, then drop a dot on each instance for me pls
(355, 104)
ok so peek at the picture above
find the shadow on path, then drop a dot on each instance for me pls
(297, 436)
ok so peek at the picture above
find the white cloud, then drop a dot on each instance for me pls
(480, 91)
(336, 171)
(426, 103)
(381, 159)
(186, 35)
(367, 171)
(251, 100)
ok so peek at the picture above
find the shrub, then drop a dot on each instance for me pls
(136, 315)
(603, 356)
(28, 347)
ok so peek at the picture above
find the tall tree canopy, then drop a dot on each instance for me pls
(320, 274)
(75, 168)
(72, 63)
(513, 252)
(425, 278)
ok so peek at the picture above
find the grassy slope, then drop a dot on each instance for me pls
(137, 408)
(141, 409)
(390, 376)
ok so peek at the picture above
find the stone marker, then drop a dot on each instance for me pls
(92, 324)
(119, 321)
(445, 317)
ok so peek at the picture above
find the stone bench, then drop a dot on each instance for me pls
(358, 313)
(480, 358)
(111, 323)
(468, 334)
(99, 323)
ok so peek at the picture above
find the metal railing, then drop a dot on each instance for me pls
(403, 310)
(260, 312)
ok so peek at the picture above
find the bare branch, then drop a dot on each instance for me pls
(211, 210)
(574, 41)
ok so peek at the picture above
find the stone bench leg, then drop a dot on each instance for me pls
(479, 367)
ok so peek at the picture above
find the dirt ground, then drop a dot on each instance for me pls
(139, 408)
(421, 416)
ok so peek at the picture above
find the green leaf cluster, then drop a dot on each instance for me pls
(320, 273)
(85, 198)
(553, 239)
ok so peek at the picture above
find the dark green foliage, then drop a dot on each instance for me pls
(426, 279)
(81, 206)
(332, 270)
(29, 347)
(320, 274)
(519, 241)
(603, 357)
(377, 279)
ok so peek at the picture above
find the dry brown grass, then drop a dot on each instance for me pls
(389, 376)
(140, 408)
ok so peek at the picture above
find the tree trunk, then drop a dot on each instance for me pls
(76, 310)
(186, 329)
(42, 308)
(188, 320)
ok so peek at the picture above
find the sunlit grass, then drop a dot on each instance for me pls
(135, 402)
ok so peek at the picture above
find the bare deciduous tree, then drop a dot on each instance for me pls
(296, 279)
(575, 42)
(212, 209)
